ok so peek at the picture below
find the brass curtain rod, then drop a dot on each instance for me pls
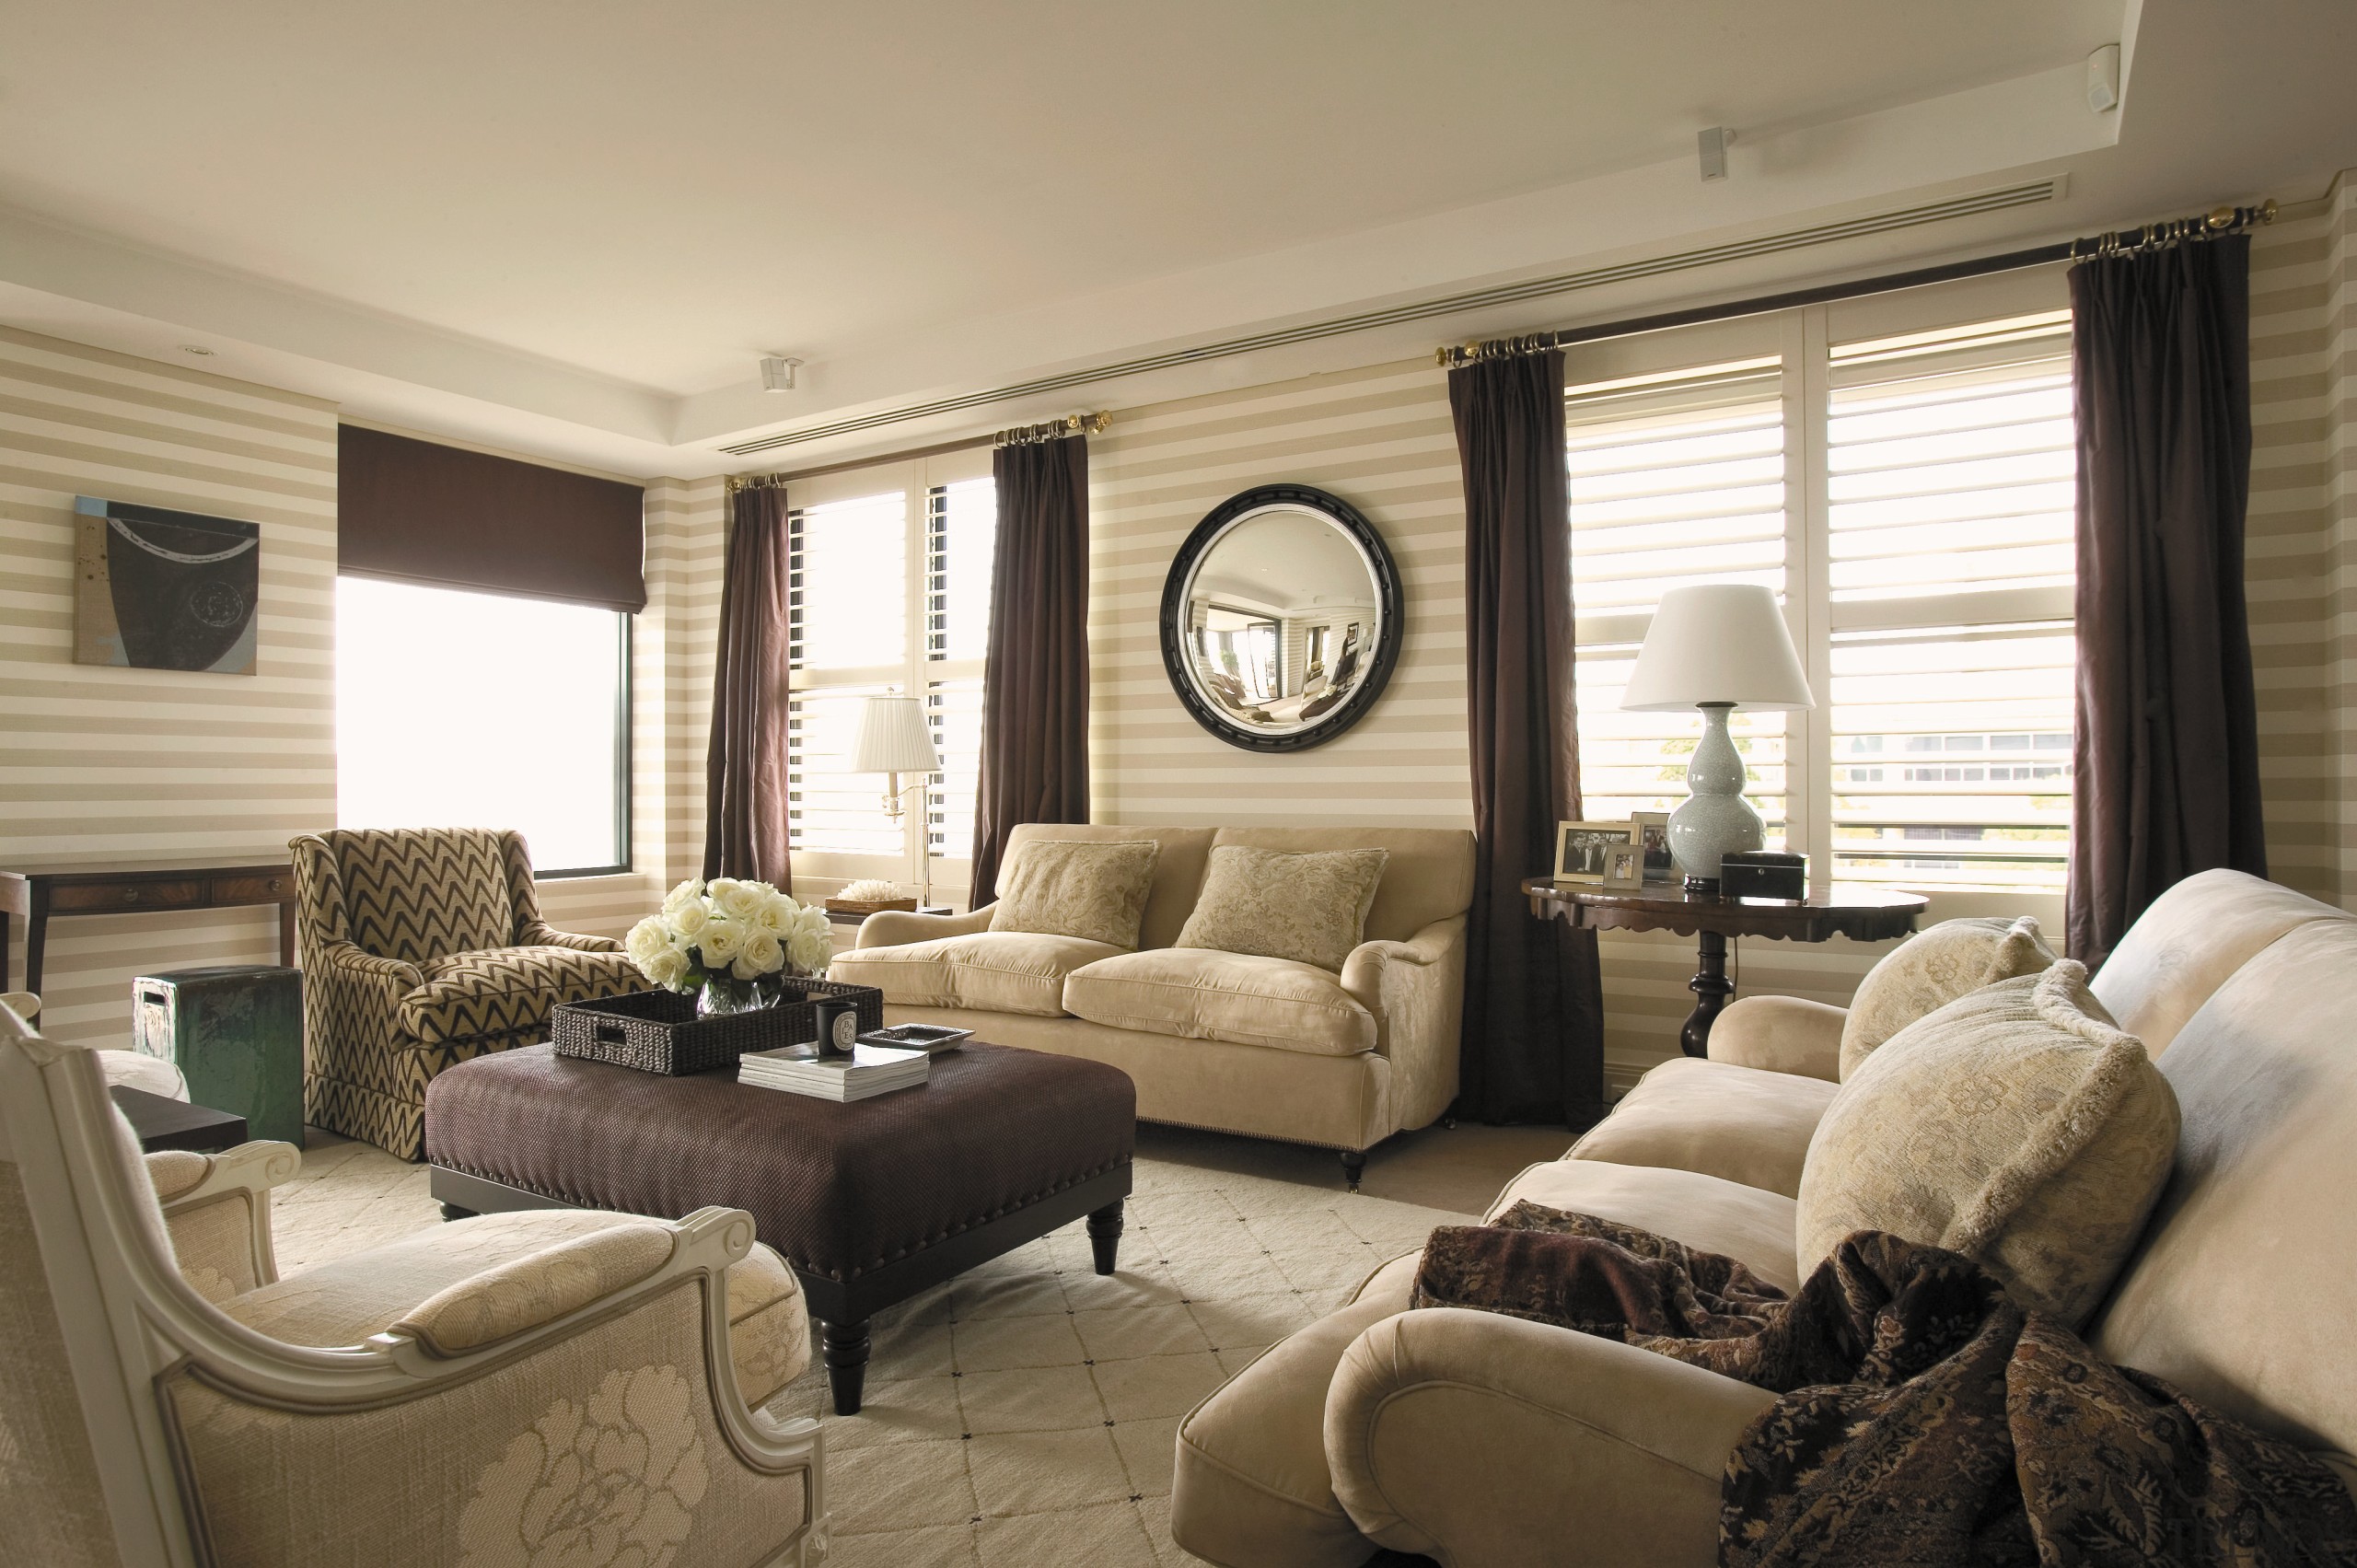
(2213, 224)
(1071, 425)
(1054, 429)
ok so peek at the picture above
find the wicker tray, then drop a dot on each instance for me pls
(870, 906)
(658, 1032)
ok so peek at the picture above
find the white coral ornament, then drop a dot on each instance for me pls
(610, 1483)
(870, 890)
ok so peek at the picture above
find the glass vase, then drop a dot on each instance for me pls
(723, 993)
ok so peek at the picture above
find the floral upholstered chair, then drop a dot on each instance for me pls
(424, 947)
(556, 1386)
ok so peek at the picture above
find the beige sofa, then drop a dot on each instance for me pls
(1259, 1046)
(1489, 1442)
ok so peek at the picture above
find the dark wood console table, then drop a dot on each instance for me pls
(35, 896)
(1861, 913)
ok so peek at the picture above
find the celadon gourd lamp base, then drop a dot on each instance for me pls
(1715, 820)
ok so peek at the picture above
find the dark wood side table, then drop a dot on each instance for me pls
(1861, 913)
(36, 895)
(164, 1123)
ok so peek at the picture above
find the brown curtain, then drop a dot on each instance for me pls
(2166, 778)
(744, 824)
(1534, 1012)
(1034, 671)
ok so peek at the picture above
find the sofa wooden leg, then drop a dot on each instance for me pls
(1104, 1235)
(452, 1211)
(1354, 1166)
(843, 1347)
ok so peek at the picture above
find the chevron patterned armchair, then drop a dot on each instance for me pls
(424, 947)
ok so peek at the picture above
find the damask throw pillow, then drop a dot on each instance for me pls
(2016, 1125)
(1092, 888)
(1311, 908)
(1931, 969)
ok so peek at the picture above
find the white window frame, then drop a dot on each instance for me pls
(913, 674)
(1801, 339)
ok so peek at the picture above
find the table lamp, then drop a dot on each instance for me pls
(894, 739)
(1716, 646)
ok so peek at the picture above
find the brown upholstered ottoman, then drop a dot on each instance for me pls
(870, 1203)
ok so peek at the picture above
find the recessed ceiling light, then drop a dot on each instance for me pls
(197, 349)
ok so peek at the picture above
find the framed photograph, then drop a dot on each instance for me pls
(1581, 848)
(1651, 829)
(1624, 867)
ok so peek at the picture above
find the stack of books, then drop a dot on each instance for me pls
(869, 1069)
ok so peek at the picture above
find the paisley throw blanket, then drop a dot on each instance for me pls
(1925, 1419)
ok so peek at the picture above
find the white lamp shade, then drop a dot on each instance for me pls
(893, 738)
(1717, 643)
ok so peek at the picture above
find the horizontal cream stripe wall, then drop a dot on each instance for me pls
(104, 765)
(2295, 566)
(1378, 437)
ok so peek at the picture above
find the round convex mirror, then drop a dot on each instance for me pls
(1280, 619)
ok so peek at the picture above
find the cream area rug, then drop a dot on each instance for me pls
(1022, 1415)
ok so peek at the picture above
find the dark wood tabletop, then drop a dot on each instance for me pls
(1860, 912)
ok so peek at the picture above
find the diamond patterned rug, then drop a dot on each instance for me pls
(1024, 1412)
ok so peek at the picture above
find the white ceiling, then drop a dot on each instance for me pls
(573, 228)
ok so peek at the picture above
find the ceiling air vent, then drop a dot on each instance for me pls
(2023, 195)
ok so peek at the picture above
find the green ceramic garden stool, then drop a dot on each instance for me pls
(236, 1033)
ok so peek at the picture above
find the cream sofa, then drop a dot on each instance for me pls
(1260, 1046)
(1489, 1442)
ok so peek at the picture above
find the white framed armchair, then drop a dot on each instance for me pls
(476, 1396)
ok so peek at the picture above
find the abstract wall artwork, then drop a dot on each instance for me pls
(164, 590)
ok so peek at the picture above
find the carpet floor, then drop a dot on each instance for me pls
(1024, 1413)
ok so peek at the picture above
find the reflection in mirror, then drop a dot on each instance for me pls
(1285, 606)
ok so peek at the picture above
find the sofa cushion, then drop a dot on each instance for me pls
(998, 971)
(1251, 1487)
(1931, 969)
(1739, 1123)
(1428, 878)
(505, 990)
(1094, 890)
(343, 1302)
(2191, 941)
(1748, 1224)
(1202, 994)
(2016, 1126)
(1311, 908)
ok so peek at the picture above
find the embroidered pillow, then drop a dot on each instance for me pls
(1309, 908)
(2016, 1125)
(1931, 969)
(1092, 888)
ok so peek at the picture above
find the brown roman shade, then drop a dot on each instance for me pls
(417, 511)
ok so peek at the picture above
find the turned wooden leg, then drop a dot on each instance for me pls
(1354, 1166)
(1711, 988)
(1104, 1235)
(843, 1347)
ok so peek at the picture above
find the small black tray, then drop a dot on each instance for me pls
(658, 1031)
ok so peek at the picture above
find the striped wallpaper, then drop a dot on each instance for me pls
(2302, 546)
(103, 765)
(1378, 437)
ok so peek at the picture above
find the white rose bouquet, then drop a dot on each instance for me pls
(729, 930)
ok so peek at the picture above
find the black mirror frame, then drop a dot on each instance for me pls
(1389, 600)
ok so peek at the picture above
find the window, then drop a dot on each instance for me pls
(457, 709)
(1900, 470)
(889, 595)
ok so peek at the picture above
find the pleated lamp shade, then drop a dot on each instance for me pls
(1717, 643)
(894, 739)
